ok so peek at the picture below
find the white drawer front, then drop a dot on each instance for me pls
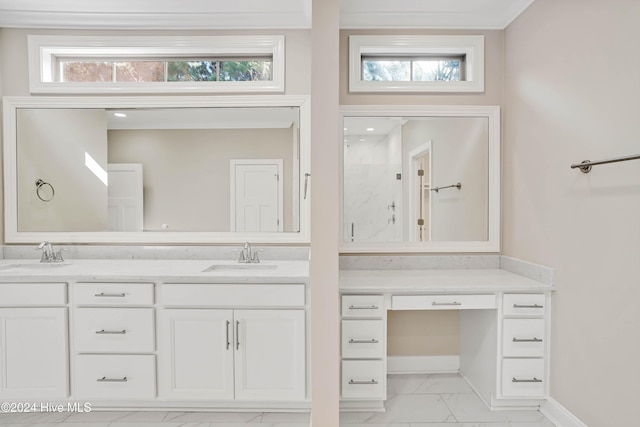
(118, 294)
(237, 295)
(442, 302)
(21, 294)
(523, 377)
(113, 329)
(524, 304)
(362, 306)
(363, 379)
(362, 339)
(523, 338)
(115, 377)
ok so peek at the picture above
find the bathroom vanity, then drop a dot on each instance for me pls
(504, 331)
(155, 333)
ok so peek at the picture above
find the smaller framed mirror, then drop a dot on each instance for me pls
(420, 179)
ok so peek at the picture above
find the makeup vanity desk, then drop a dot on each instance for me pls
(504, 331)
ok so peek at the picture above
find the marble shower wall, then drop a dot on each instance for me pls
(371, 187)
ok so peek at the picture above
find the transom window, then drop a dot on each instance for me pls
(408, 69)
(416, 63)
(164, 70)
(68, 64)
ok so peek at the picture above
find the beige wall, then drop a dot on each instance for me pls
(419, 333)
(493, 69)
(52, 145)
(186, 173)
(2, 61)
(573, 93)
(326, 144)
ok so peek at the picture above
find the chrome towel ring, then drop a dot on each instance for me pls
(42, 190)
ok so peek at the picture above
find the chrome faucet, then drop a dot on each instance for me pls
(248, 254)
(48, 253)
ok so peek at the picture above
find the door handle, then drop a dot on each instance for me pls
(228, 343)
(237, 334)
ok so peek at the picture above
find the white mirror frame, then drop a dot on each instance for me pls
(12, 235)
(492, 244)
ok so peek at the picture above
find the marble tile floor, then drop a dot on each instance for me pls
(436, 400)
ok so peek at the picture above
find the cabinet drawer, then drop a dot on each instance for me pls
(362, 306)
(113, 329)
(362, 339)
(124, 294)
(22, 294)
(523, 304)
(115, 377)
(225, 295)
(523, 338)
(523, 377)
(442, 302)
(363, 379)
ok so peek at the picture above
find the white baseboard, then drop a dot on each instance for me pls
(559, 415)
(422, 364)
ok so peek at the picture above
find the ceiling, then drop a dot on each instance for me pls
(256, 14)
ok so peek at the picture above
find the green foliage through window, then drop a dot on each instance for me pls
(230, 70)
(393, 69)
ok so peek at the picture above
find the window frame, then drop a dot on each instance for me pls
(416, 46)
(44, 51)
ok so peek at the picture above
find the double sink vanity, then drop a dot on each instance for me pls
(155, 333)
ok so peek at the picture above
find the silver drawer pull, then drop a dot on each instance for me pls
(104, 332)
(533, 380)
(534, 339)
(371, 341)
(527, 306)
(446, 303)
(112, 380)
(102, 294)
(363, 382)
(356, 307)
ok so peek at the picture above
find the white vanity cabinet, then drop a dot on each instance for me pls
(33, 341)
(525, 349)
(363, 374)
(504, 324)
(113, 327)
(232, 342)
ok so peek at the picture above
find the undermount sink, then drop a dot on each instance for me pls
(219, 267)
(32, 266)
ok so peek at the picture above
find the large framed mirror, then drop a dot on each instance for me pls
(420, 179)
(223, 169)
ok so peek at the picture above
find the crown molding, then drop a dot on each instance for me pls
(155, 21)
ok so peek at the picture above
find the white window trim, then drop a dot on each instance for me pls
(470, 46)
(43, 51)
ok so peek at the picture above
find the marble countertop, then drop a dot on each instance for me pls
(437, 281)
(174, 271)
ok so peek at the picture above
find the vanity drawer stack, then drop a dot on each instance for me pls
(114, 341)
(363, 347)
(524, 345)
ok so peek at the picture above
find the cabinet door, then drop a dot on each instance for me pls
(196, 354)
(33, 353)
(270, 354)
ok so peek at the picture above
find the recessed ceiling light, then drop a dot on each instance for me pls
(363, 139)
(120, 114)
(370, 129)
(345, 129)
